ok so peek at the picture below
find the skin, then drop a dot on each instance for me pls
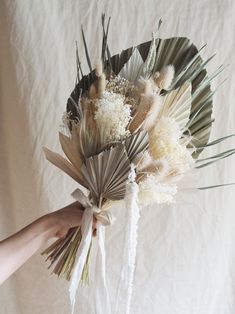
(18, 248)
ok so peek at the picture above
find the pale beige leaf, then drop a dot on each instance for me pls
(177, 104)
(153, 114)
(140, 115)
(71, 148)
(106, 174)
(133, 67)
(75, 132)
(63, 164)
(137, 143)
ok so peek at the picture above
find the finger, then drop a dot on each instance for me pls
(94, 223)
(94, 233)
(62, 233)
(75, 205)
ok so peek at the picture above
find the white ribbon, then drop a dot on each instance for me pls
(86, 228)
(101, 297)
(124, 294)
(103, 218)
(102, 300)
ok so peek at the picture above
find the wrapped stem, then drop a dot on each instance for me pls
(63, 252)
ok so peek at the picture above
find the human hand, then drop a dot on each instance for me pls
(18, 248)
(66, 218)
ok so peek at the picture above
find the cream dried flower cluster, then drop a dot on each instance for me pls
(112, 115)
(151, 191)
(128, 103)
(131, 102)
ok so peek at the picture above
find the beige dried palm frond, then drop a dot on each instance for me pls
(71, 148)
(133, 67)
(106, 174)
(64, 165)
(177, 105)
(136, 143)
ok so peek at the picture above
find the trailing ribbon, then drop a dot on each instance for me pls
(124, 294)
(104, 218)
(102, 298)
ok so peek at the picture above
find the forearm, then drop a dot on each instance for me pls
(17, 249)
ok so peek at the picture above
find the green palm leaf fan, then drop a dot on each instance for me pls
(188, 65)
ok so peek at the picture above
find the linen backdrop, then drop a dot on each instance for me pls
(186, 252)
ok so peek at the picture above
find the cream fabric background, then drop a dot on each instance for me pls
(186, 253)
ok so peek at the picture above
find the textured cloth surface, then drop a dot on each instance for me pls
(186, 252)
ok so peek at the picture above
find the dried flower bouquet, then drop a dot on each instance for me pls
(141, 116)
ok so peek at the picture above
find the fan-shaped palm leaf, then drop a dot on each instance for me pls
(132, 70)
(177, 105)
(136, 143)
(188, 65)
(106, 174)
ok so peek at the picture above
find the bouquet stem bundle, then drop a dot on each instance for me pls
(63, 251)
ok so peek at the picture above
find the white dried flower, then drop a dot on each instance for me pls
(151, 191)
(165, 129)
(92, 91)
(147, 86)
(144, 86)
(180, 159)
(162, 167)
(148, 165)
(99, 68)
(145, 161)
(101, 84)
(165, 78)
(112, 116)
(164, 143)
(178, 156)
(156, 106)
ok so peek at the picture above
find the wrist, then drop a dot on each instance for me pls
(50, 225)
